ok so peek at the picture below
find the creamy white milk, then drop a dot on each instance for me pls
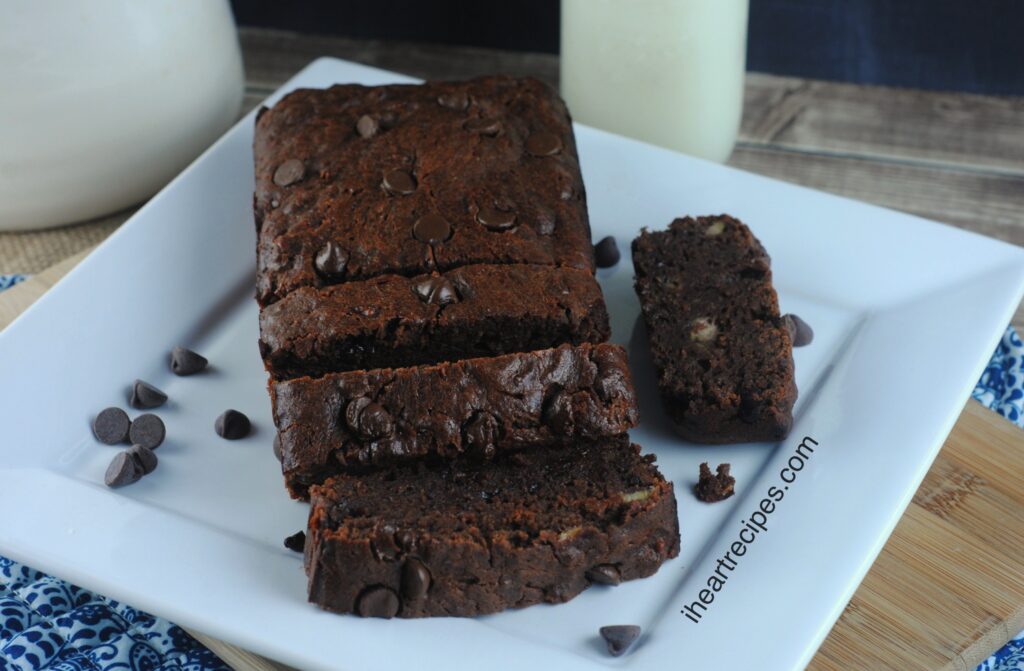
(104, 101)
(669, 72)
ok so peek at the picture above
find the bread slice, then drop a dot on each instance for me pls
(394, 321)
(359, 420)
(723, 353)
(466, 538)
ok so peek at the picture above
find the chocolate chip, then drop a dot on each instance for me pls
(619, 637)
(123, 470)
(432, 229)
(557, 412)
(415, 579)
(277, 447)
(495, 219)
(489, 127)
(481, 435)
(456, 100)
(186, 362)
(147, 430)
(406, 540)
(378, 601)
(296, 542)
(367, 126)
(605, 574)
(606, 252)
(375, 421)
(398, 183)
(543, 144)
(331, 260)
(367, 418)
(232, 425)
(353, 410)
(800, 332)
(145, 395)
(111, 426)
(289, 172)
(436, 290)
(144, 458)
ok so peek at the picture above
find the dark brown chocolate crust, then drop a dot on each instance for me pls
(362, 419)
(395, 321)
(723, 354)
(476, 152)
(467, 538)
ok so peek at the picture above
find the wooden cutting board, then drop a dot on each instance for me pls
(945, 592)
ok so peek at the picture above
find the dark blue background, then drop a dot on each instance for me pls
(965, 45)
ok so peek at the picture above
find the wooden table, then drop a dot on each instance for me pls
(951, 157)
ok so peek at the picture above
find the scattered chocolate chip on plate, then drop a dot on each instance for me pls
(186, 362)
(620, 637)
(296, 542)
(232, 425)
(147, 430)
(111, 426)
(800, 332)
(606, 252)
(145, 396)
(123, 470)
(144, 458)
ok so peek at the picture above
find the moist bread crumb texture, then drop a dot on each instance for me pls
(714, 487)
(468, 538)
(723, 354)
(435, 338)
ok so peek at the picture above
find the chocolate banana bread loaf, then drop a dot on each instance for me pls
(354, 182)
(468, 538)
(393, 321)
(434, 335)
(723, 353)
(360, 420)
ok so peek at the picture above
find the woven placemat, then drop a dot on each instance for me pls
(30, 252)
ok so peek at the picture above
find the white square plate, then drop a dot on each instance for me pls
(906, 312)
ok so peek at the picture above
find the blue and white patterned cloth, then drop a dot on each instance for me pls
(46, 623)
(1001, 386)
(8, 281)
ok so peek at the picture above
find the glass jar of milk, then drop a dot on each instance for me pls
(104, 101)
(669, 72)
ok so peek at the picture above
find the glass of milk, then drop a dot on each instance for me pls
(669, 72)
(104, 101)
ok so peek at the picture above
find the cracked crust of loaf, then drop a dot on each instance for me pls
(339, 197)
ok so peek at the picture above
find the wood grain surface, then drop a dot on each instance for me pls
(948, 588)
